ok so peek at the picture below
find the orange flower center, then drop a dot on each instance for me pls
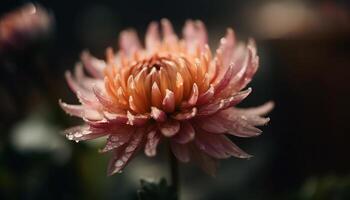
(141, 82)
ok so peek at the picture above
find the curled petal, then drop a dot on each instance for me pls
(75, 87)
(169, 101)
(158, 115)
(106, 102)
(169, 128)
(93, 65)
(260, 110)
(206, 96)
(185, 115)
(186, 133)
(193, 97)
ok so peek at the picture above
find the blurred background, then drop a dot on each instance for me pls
(304, 48)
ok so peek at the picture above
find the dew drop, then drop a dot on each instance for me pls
(76, 141)
(70, 137)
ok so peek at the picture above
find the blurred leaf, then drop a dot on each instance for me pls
(156, 191)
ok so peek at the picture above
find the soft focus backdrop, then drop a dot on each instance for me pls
(305, 65)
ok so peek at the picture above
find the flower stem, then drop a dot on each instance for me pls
(174, 171)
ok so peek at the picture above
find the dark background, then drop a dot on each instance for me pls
(304, 48)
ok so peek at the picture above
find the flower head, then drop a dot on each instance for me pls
(172, 89)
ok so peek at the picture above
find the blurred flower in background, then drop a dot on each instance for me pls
(19, 27)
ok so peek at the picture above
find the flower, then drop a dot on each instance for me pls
(24, 24)
(171, 90)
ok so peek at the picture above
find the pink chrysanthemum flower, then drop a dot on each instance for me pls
(172, 89)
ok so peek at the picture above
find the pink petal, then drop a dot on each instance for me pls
(218, 146)
(81, 111)
(105, 101)
(207, 163)
(83, 132)
(137, 120)
(193, 97)
(152, 39)
(169, 36)
(169, 128)
(118, 118)
(260, 110)
(195, 35)
(129, 42)
(169, 101)
(213, 124)
(123, 154)
(186, 133)
(206, 96)
(117, 139)
(74, 86)
(180, 151)
(225, 80)
(222, 104)
(252, 67)
(228, 46)
(93, 65)
(153, 139)
(211, 146)
(158, 115)
(241, 125)
(185, 115)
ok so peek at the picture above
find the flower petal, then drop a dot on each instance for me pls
(185, 115)
(137, 120)
(93, 65)
(83, 132)
(129, 42)
(158, 115)
(169, 128)
(218, 146)
(223, 103)
(186, 133)
(169, 101)
(181, 151)
(152, 38)
(81, 111)
(195, 35)
(206, 96)
(153, 139)
(119, 138)
(123, 154)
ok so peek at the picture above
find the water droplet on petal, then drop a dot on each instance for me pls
(119, 163)
(70, 137)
